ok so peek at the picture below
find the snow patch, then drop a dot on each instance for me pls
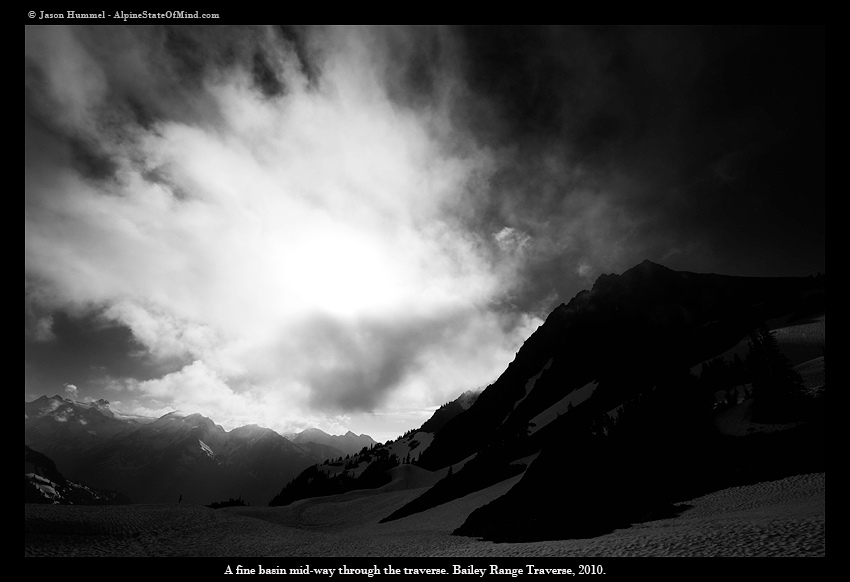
(572, 399)
(529, 386)
(206, 448)
(46, 487)
(414, 446)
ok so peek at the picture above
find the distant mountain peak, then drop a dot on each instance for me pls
(195, 416)
(643, 271)
(313, 430)
(647, 267)
(349, 443)
(648, 263)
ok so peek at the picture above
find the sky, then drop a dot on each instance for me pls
(346, 227)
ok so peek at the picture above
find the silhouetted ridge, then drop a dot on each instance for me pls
(630, 338)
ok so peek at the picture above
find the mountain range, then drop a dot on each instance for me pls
(334, 445)
(175, 457)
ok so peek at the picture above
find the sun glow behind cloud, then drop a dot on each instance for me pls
(320, 224)
(298, 253)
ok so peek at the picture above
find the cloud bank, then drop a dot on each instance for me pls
(289, 240)
(301, 226)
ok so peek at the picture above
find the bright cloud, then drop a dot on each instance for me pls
(298, 253)
(71, 391)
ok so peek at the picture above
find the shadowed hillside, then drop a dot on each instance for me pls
(43, 483)
(627, 346)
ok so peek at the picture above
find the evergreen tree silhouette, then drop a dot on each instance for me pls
(776, 385)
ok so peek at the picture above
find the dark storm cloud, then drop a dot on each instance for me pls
(265, 77)
(355, 366)
(695, 146)
(141, 75)
(90, 161)
(81, 350)
(420, 57)
(298, 37)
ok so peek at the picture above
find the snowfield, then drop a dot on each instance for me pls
(775, 518)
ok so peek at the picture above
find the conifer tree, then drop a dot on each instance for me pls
(776, 385)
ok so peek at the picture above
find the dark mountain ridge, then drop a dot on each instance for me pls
(624, 332)
(630, 341)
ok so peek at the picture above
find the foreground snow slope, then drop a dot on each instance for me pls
(775, 518)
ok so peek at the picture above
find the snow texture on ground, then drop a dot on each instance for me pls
(776, 518)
